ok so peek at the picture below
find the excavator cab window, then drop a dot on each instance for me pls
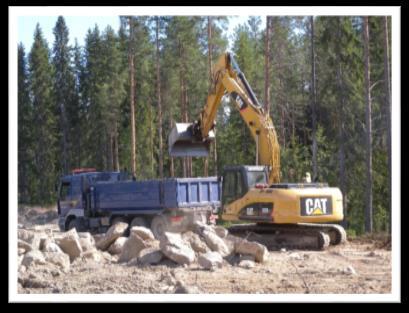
(233, 186)
(256, 177)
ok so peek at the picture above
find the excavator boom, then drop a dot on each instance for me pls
(187, 140)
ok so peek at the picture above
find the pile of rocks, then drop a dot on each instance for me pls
(208, 246)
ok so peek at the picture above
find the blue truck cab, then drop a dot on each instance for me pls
(91, 200)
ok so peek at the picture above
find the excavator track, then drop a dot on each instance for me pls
(291, 236)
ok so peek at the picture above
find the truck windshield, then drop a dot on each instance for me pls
(256, 177)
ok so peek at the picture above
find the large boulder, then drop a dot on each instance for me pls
(248, 264)
(30, 237)
(50, 246)
(70, 244)
(199, 227)
(132, 247)
(215, 243)
(195, 242)
(150, 256)
(174, 248)
(21, 244)
(60, 259)
(259, 251)
(117, 246)
(34, 257)
(87, 242)
(210, 260)
(143, 232)
(93, 255)
(114, 232)
(221, 231)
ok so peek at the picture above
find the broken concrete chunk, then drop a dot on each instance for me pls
(210, 260)
(114, 232)
(132, 247)
(259, 251)
(150, 256)
(215, 243)
(33, 257)
(174, 248)
(70, 244)
(195, 242)
(117, 246)
(143, 232)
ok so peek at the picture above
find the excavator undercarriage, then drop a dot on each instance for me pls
(303, 236)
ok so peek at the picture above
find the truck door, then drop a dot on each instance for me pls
(70, 194)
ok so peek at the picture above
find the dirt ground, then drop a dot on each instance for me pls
(359, 266)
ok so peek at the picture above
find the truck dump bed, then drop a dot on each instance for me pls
(154, 196)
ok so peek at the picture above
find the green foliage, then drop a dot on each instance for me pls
(92, 85)
(43, 122)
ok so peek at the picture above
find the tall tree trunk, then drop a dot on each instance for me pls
(182, 103)
(313, 105)
(189, 159)
(132, 96)
(64, 137)
(386, 78)
(368, 207)
(116, 152)
(341, 127)
(151, 142)
(172, 164)
(209, 65)
(215, 153)
(158, 97)
(110, 150)
(267, 62)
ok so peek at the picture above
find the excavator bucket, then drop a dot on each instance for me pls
(182, 143)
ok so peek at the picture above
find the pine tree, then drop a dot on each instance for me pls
(158, 96)
(387, 88)
(368, 119)
(25, 139)
(313, 104)
(44, 120)
(64, 90)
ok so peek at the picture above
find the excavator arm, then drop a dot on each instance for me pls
(194, 139)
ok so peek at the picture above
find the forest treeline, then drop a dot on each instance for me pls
(111, 103)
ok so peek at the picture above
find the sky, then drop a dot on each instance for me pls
(79, 25)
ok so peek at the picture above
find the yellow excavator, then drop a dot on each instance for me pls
(279, 215)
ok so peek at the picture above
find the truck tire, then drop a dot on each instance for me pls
(78, 224)
(139, 221)
(159, 226)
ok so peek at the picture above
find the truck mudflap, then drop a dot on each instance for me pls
(61, 223)
(181, 220)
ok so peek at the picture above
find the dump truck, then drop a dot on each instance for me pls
(91, 200)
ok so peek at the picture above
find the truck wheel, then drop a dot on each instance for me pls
(72, 224)
(139, 221)
(159, 226)
(77, 224)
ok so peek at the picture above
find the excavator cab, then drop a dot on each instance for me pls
(238, 179)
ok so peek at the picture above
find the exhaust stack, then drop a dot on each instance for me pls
(182, 142)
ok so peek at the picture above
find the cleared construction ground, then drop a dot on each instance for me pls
(362, 265)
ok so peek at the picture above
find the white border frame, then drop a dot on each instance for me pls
(15, 12)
